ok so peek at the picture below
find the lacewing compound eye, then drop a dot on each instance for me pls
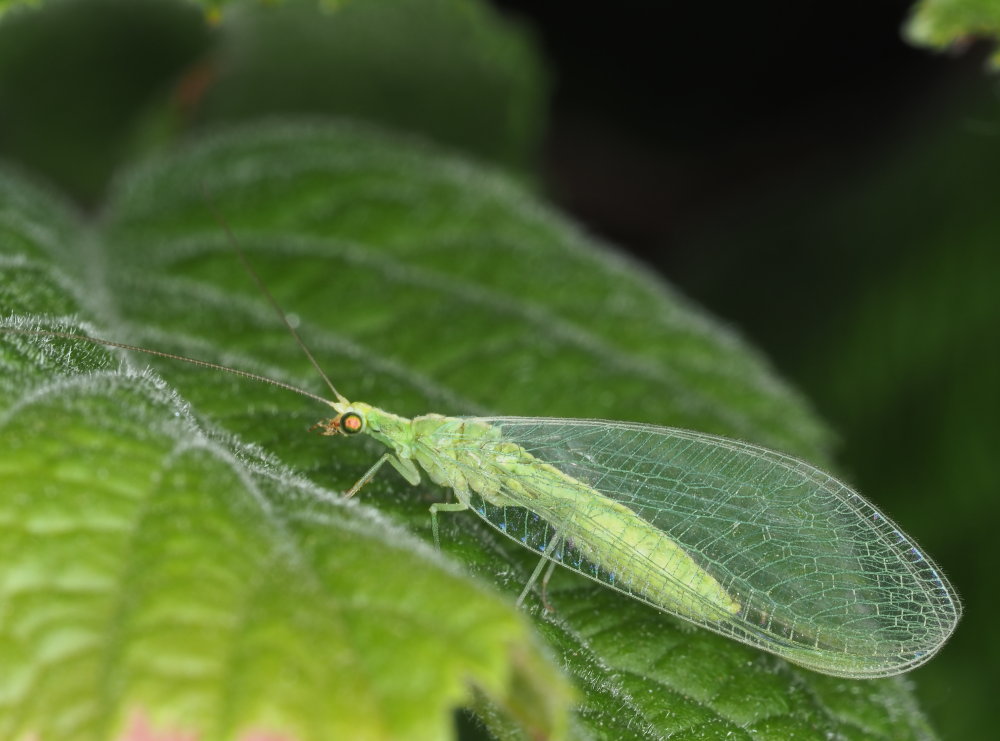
(351, 423)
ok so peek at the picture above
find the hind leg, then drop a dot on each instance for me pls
(443, 507)
(551, 548)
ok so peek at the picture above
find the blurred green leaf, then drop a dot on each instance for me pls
(6, 5)
(946, 23)
(454, 71)
(77, 75)
(197, 509)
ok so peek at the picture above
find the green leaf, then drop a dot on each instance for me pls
(184, 538)
(944, 23)
(156, 566)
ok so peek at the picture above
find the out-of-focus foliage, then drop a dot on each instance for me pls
(77, 76)
(453, 71)
(135, 76)
(6, 5)
(213, 8)
(946, 23)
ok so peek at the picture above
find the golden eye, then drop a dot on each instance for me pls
(352, 423)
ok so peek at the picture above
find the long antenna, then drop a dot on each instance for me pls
(235, 244)
(172, 356)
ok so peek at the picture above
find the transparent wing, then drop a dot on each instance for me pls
(821, 577)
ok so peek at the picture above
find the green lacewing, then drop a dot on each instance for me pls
(744, 541)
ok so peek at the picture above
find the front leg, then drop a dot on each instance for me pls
(407, 469)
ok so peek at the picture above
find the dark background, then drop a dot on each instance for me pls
(797, 168)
